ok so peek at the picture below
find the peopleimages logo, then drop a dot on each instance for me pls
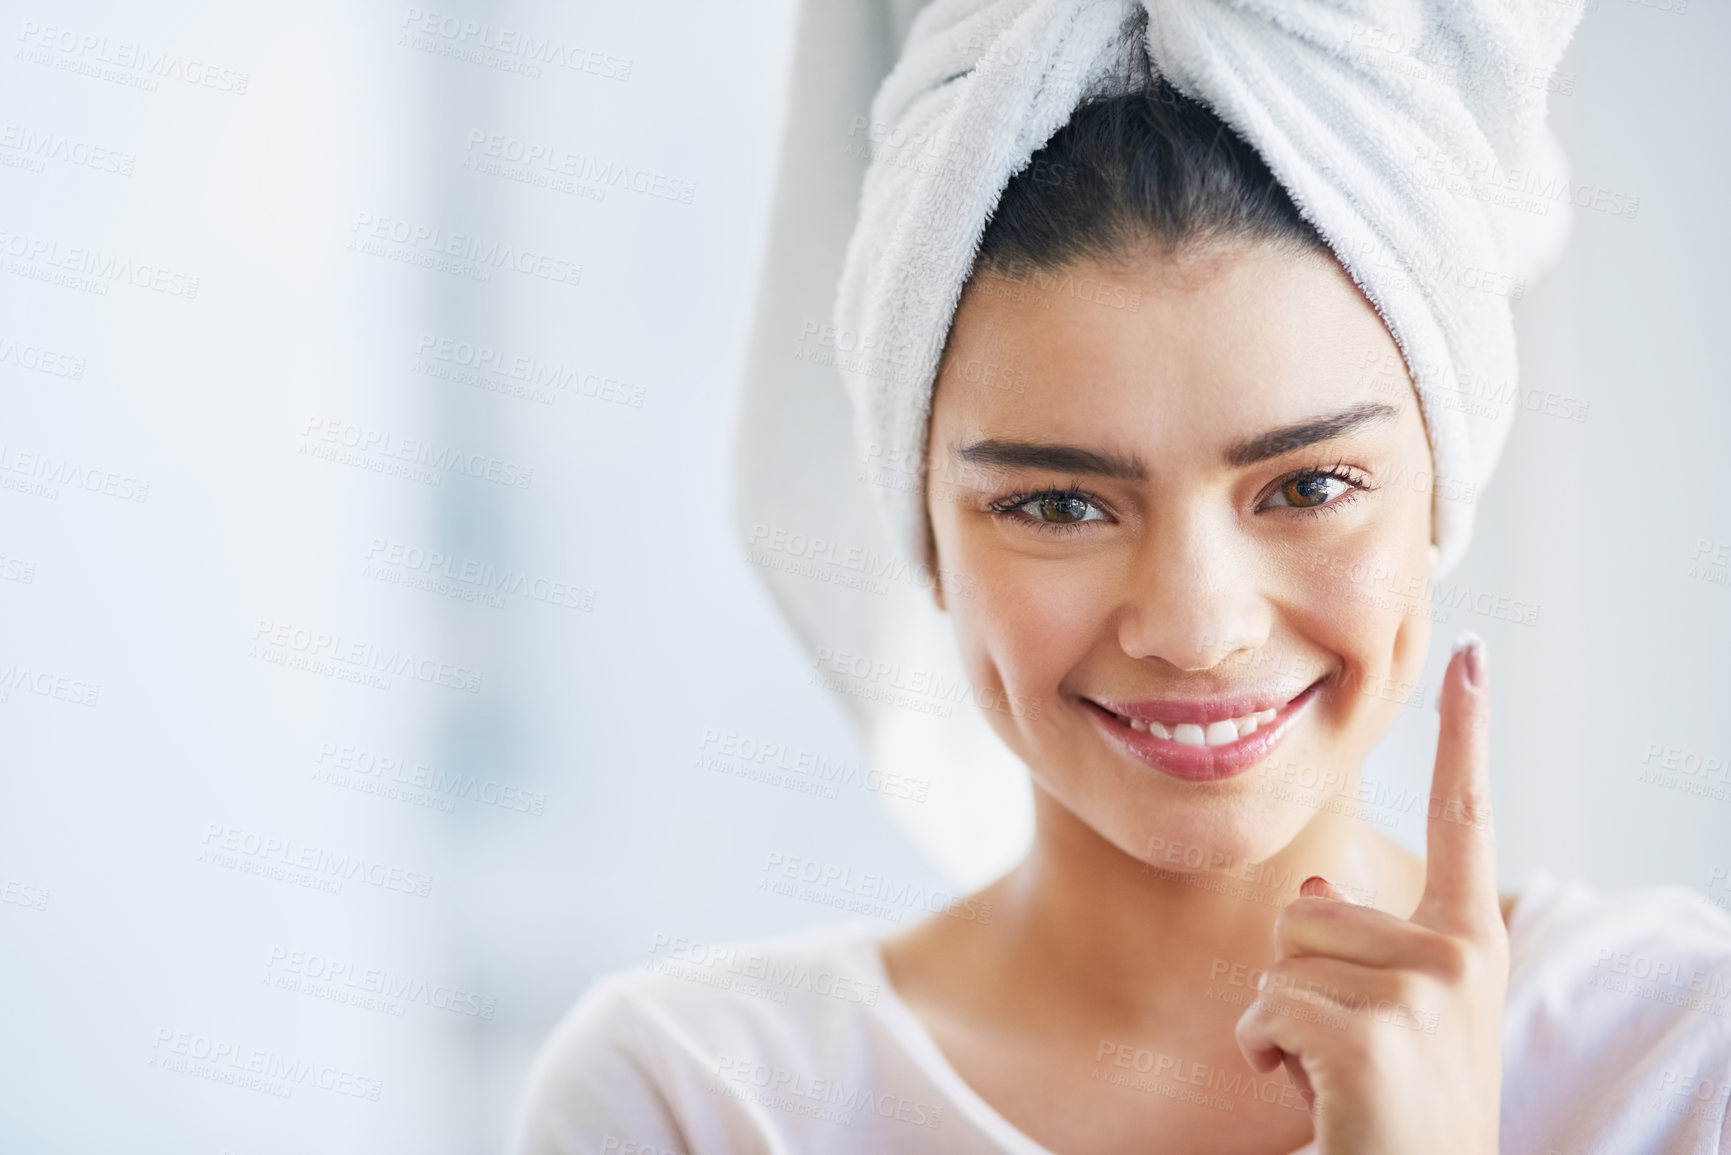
(451, 252)
(841, 880)
(89, 268)
(372, 772)
(936, 692)
(254, 1068)
(41, 360)
(60, 687)
(785, 974)
(327, 652)
(393, 560)
(343, 980)
(323, 436)
(1662, 979)
(138, 65)
(868, 563)
(34, 147)
(227, 846)
(51, 472)
(788, 1087)
(1087, 288)
(729, 752)
(528, 49)
(555, 161)
(535, 378)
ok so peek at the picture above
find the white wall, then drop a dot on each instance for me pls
(152, 747)
(1597, 522)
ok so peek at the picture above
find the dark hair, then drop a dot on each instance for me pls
(1149, 167)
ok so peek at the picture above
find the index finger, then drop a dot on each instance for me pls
(1460, 891)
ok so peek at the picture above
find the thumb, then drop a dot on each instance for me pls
(1300, 1079)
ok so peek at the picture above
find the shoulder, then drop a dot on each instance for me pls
(647, 1055)
(1618, 1019)
(1667, 934)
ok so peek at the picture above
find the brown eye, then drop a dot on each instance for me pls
(1062, 510)
(1309, 490)
(1056, 508)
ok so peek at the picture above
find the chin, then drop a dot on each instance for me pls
(1197, 824)
(1217, 843)
(1224, 836)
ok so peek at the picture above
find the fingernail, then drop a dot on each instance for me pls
(1475, 662)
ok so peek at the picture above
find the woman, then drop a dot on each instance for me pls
(1208, 948)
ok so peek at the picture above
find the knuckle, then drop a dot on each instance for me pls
(1307, 912)
(1475, 807)
(1496, 944)
(1409, 990)
(1277, 985)
(1281, 975)
(1357, 1046)
(1450, 959)
(1469, 807)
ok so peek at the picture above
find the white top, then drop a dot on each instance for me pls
(1617, 1039)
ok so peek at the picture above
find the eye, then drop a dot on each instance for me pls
(1063, 509)
(1056, 508)
(1312, 489)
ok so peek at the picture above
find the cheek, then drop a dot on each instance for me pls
(1028, 624)
(1368, 603)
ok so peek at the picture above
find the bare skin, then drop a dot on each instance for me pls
(1110, 1002)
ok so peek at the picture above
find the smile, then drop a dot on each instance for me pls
(1200, 741)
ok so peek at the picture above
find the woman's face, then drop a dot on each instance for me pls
(1186, 491)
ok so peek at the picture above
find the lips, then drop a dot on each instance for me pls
(1201, 741)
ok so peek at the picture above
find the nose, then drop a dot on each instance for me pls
(1193, 597)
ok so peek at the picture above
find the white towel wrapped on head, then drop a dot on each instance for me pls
(1384, 120)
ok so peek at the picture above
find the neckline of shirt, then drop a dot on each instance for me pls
(866, 940)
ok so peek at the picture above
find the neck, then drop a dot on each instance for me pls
(1140, 942)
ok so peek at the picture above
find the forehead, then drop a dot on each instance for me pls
(1185, 352)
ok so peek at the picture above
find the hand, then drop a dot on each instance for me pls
(1392, 1028)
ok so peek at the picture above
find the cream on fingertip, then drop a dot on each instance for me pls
(1475, 651)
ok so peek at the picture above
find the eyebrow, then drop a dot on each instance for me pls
(1325, 428)
(1009, 454)
(1057, 458)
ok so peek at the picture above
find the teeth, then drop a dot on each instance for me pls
(1214, 734)
(1220, 733)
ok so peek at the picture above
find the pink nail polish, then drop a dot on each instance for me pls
(1475, 660)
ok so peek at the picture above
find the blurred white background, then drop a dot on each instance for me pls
(369, 603)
